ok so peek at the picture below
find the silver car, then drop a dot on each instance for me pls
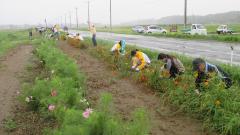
(138, 29)
(155, 29)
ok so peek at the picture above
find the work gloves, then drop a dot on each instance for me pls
(136, 69)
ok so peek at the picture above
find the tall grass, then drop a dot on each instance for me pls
(10, 39)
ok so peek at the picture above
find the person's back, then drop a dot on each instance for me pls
(119, 47)
(178, 64)
(93, 30)
(139, 60)
(203, 69)
(123, 47)
(172, 65)
(116, 47)
(146, 58)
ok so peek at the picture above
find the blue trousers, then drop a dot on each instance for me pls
(94, 40)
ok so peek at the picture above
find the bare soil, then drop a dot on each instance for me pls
(17, 67)
(11, 66)
(129, 95)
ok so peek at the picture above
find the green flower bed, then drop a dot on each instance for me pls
(219, 108)
(60, 96)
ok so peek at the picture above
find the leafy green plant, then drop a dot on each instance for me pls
(9, 124)
(103, 121)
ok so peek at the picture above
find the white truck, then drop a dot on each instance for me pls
(196, 29)
(224, 29)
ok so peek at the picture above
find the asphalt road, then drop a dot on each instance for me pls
(213, 51)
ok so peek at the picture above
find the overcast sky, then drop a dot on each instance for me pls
(35, 11)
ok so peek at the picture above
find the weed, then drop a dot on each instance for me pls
(9, 124)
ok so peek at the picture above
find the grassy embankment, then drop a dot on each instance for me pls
(12, 38)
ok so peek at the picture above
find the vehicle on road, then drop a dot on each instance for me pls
(39, 28)
(155, 29)
(138, 29)
(196, 29)
(224, 29)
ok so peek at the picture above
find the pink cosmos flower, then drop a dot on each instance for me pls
(51, 107)
(87, 112)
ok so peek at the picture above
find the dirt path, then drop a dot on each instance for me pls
(10, 68)
(128, 96)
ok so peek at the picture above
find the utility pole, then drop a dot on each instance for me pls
(77, 17)
(61, 21)
(185, 14)
(88, 14)
(45, 22)
(70, 20)
(65, 20)
(111, 15)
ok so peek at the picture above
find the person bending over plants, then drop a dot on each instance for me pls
(139, 60)
(172, 65)
(79, 37)
(119, 48)
(203, 70)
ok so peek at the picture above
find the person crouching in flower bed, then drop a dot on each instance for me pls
(79, 37)
(172, 65)
(139, 60)
(203, 70)
(119, 48)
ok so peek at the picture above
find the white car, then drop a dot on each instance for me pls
(138, 29)
(155, 29)
(198, 29)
